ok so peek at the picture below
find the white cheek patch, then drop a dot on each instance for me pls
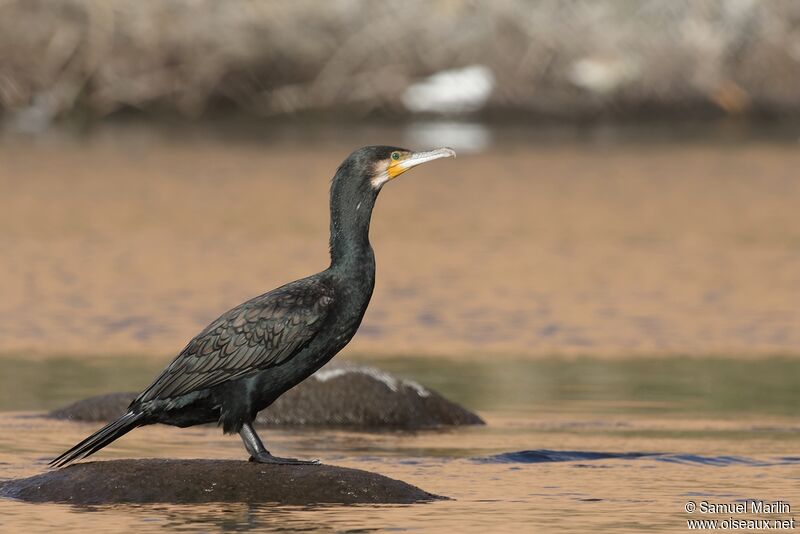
(379, 179)
(381, 175)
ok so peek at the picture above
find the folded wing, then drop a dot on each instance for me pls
(261, 333)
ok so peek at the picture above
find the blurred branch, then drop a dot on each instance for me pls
(560, 58)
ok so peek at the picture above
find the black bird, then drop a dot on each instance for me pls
(260, 349)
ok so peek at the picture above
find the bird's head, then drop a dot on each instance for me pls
(391, 162)
(370, 167)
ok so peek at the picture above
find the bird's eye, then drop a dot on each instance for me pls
(395, 155)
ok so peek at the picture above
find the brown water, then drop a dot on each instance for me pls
(547, 285)
(131, 241)
(721, 430)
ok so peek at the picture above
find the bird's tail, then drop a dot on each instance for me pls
(99, 439)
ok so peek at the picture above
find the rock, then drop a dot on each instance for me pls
(345, 394)
(339, 394)
(202, 481)
(98, 408)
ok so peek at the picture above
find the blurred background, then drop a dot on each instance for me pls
(626, 181)
(612, 263)
(354, 58)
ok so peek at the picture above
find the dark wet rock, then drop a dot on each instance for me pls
(339, 394)
(346, 394)
(199, 481)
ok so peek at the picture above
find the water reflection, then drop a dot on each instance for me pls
(691, 386)
(464, 137)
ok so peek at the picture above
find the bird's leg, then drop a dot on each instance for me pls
(258, 453)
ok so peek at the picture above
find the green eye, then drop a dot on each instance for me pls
(395, 155)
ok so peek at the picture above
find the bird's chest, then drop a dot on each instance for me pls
(347, 318)
(352, 289)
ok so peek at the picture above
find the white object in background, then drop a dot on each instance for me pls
(451, 91)
(601, 76)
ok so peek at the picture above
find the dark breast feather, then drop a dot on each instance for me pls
(263, 332)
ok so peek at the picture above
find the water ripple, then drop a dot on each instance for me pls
(546, 456)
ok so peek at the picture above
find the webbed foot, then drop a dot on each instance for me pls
(267, 458)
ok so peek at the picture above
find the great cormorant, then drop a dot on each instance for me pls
(255, 352)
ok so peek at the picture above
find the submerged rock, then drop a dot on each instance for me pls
(98, 408)
(339, 394)
(201, 481)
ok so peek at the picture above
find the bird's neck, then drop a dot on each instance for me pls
(351, 252)
(352, 256)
